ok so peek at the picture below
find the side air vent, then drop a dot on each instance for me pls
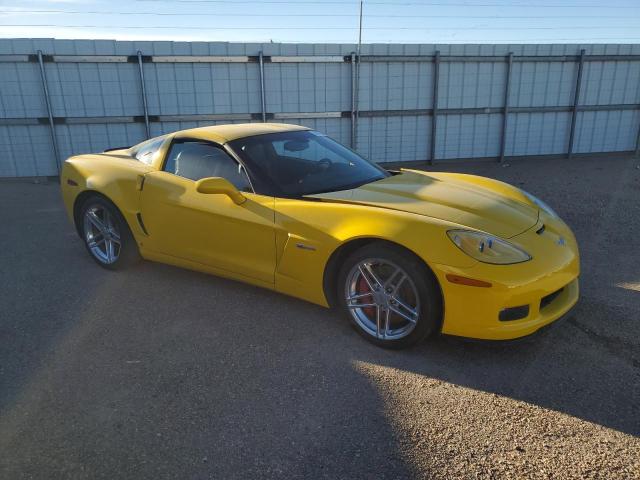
(141, 223)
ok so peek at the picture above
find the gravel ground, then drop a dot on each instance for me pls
(160, 373)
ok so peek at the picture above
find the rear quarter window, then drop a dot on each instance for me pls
(146, 151)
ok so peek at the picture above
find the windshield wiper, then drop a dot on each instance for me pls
(345, 187)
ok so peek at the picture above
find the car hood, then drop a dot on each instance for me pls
(476, 202)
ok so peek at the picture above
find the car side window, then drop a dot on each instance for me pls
(146, 151)
(196, 160)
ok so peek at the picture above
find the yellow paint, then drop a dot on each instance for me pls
(285, 244)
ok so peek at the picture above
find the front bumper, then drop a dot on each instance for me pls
(547, 285)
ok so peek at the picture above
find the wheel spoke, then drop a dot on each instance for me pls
(402, 314)
(391, 277)
(370, 277)
(95, 243)
(393, 283)
(362, 305)
(396, 287)
(387, 322)
(400, 303)
(110, 251)
(359, 295)
(101, 234)
(390, 290)
(107, 219)
(95, 220)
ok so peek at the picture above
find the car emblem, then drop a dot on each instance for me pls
(561, 241)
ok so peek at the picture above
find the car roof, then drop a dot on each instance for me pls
(227, 133)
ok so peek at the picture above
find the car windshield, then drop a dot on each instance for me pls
(293, 164)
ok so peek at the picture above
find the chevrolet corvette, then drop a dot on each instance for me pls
(403, 254)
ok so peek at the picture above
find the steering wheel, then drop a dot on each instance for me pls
(321, 165)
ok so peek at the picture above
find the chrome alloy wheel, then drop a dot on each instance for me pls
(101, 234)
(382, 299)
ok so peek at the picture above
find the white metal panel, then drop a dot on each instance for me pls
(98, 90)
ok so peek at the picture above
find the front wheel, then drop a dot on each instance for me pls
(389, 295)
(106, 234)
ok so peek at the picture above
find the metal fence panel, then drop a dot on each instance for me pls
(394, 138)
(25, 151)
(96, 96)
(466, 136)
(21, 91)
(471, 85)
(538, 134)
(395, 86)
(609, 131)
(611, 82)
(311, 87)
(93, 89)
(536, 84)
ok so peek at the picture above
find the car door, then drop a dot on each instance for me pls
(209, 229)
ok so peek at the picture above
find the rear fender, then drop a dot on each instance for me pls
(113, 177)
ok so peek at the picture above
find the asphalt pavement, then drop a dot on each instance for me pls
(158, 372)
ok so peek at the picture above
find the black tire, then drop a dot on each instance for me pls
(429, 309)
(127, 252)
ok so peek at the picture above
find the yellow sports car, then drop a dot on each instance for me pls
(403, 253)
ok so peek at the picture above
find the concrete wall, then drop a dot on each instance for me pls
(395, 98)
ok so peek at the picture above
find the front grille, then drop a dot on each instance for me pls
(546, 301)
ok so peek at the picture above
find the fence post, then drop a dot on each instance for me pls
(434, 115)
(52, 127)
(353, 101)
(263, 100)
(144, 96)
(505, 117)
(576, 101)
(638, 143)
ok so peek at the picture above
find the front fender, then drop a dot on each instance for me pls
(309, 232)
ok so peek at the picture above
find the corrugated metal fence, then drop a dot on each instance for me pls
(398, 103)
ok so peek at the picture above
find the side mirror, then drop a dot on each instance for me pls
(219, 185)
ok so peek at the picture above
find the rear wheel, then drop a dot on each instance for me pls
(389, 295)
(106, 234)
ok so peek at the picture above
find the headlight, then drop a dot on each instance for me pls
(540, 203)
(487, 248)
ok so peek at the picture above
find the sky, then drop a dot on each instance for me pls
(329, 21)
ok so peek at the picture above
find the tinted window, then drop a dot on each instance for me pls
(292, 164)
(196, 160)
(146, 151)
